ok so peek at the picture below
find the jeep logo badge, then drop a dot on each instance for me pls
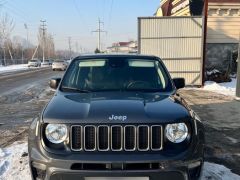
(115, 118)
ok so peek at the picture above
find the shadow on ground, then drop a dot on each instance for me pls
(221, 117)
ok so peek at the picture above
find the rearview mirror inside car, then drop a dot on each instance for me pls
(54, 83)
(179, 82)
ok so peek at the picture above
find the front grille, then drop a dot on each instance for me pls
(116, 138)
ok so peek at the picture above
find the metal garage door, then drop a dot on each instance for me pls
(178, 41)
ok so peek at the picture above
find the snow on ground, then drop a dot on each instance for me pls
(14, 162)
(228, 89)
(12, 68)
(14, 165)
(213, 171)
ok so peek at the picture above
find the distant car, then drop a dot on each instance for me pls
(50, 61)
(34, 63)
(59, 65)
(46, 63)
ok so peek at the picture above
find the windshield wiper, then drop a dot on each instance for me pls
(75, 89)
(143, 90)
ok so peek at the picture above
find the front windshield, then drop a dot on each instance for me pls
(116, 74)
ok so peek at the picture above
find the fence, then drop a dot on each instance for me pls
(178, 41)
(12, 62)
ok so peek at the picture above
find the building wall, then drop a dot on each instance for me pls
(128, 47)
(223, 33)
(223, 23)
(179, 8)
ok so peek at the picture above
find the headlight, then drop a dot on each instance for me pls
(176, 133)
(56, 133)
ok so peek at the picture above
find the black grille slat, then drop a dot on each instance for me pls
(143, 138)
(116, 140)
(156, 137)
(77, 137)
(103, 138)
(90, 138)
(130, 138)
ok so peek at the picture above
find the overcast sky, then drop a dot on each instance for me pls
(77, 18)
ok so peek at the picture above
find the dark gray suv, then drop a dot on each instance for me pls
(116, 116)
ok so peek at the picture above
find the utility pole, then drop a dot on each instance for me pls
(4, 54)
(43, 28)
(70, 47)
(99, 31)
(77, 47)
(238, 73)
(26, 27)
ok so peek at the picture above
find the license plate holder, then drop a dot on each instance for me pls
(116, 178)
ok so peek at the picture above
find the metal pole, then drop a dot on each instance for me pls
(238, 73)
(99, 31)
(22, 55)
(4, 54)
(26, 27)
(35, 52)
(70, 47)
(205, 40)
(44, 40)
(99, 35)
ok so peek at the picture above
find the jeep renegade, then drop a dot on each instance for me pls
(116, 117)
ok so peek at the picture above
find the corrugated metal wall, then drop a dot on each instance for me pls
(178, 41)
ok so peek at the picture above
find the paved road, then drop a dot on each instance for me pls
(20, 80)
(22, 96)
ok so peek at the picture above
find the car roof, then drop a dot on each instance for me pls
(92, 56)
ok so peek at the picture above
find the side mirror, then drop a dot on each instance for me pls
(54, 83)
(179, 82)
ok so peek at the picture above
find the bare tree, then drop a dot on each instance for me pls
(6, 27)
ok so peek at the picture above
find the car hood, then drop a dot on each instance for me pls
(115, 107)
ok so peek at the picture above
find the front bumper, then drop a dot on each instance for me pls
(156, 166)
(59, 67)
(47, 166)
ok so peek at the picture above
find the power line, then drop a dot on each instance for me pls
(16, 8)
(99, 31)
(110, 14)
(13, 9)
(103, 13)
(22, 19)
(80, 15)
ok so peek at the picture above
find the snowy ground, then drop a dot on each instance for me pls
(14, 165)
(12, 68)
(14, 162)
(228, 89)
